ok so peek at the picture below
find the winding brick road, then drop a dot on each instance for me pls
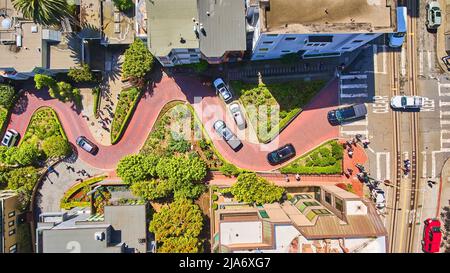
(307, 131)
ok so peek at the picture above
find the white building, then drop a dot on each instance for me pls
(315, 28)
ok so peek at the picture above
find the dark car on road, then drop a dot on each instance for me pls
(281, 154)
(349, 113)
(87, 145)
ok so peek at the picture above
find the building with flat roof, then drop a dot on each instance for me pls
(316, 219)
(117, 27)
(121, 228)
(26, 47)
(315, 29)
(9, 212)
(183, 31)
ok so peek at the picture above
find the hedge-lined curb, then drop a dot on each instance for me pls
(64, 204)
(97, 92)
(115, 139)
(314, 170)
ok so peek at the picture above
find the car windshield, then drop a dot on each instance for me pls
(344, 113)
(403, 101)
(226, 133)
(435, 229)
(220, 86)
(438, 14)
(399, 34)
(284, 152)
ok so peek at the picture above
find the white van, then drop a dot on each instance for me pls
(396, 39)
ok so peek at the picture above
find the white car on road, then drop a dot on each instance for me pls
(379, 198)
(407, 102)
(223, 90)
(235, 110)
(10, 138)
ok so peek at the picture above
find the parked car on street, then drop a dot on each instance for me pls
(87, 145)
(379, 198)
(281, 154)
(223, 90)
(407, 102)
(10, 138)
(235, 110)
(432, 236)
(434, 17)
(341, 115)
(223, 131)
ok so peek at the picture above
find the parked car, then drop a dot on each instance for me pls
(235, 110)
(223, 131)
(341, 115)
(432, 236)
(379, 198)
(10, 138)
(407, 102)
(223, 90)
(87, 145)
(434, 17)
(281, 154)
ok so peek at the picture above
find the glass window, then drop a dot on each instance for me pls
(11, 223)
(328, 197)
(357, 41)
(13, 248)
(272, 35)
(339, 204)
(12, 232)
(311, 215)
(290, 38)
(268, 42)
(264, 49)
(11, 214)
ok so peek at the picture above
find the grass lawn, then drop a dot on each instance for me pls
(283, 102)
(325, 159)
(124, 109)
(76, 196)
(43, 124)
(174, 134)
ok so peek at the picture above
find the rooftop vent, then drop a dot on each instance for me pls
(99, 236)
(6, 23)
(182, 40)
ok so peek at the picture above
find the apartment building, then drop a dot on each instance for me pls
(8, 221)
(314, 29)
(185, 31)
(320, 219)
(121, 229)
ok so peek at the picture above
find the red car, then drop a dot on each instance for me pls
(431, 236)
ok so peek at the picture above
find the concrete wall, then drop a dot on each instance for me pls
(9, 216)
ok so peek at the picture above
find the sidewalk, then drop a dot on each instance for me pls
(440, 47)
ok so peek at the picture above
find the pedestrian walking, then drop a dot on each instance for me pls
(297, 177)
(287, 178)
(350, 152)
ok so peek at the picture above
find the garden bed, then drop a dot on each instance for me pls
(325, 159)
(163, 141)
(126, 105)
(75, 196)
(282, 102)
(43, 124)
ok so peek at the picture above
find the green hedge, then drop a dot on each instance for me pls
(76, 188)
(126, 105)
(325, 159)
(96, 92)
(39, 114)
(3, 118)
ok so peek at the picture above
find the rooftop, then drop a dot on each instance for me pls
(312, 16)
(119, 226)
(224, 24)
(118, 27)
(248, 232)
(170, 25)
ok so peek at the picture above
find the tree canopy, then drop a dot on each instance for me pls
(7, 94)
(26, 154)
(138, 60)
(181, 219)
(135, 168)
(56, 146)
(123, 5)
(151, 190)
(81, 74)
(58, 90)
(251, 188)
(45, 12)
(22, 178)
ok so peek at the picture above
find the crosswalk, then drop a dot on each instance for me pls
(353, 86)
(426, 62)
(353, 128)
(444, 116)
